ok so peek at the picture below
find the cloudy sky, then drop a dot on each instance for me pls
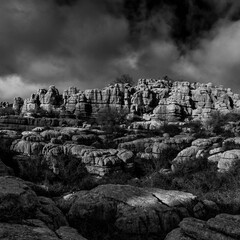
(88, 43)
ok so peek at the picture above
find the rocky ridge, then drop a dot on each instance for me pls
(223, 226)
(152, 99)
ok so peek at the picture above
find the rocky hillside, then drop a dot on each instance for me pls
(153, 99)
(64, 177)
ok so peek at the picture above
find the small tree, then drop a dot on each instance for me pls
(111, 118)
(124, 78)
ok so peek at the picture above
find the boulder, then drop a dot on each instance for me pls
(131, 211)
(68, 233)
(34, 229)
(188, 159)
(27, 147)
(50, 214)
(223, 226)
(17, 200)
(229, 160)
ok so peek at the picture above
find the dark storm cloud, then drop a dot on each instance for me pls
(88, 43)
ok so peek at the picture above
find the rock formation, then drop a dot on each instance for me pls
(223, 226)
(160, 99)
(132, 212)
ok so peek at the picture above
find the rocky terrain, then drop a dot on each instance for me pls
(157, 160)
(154, 99)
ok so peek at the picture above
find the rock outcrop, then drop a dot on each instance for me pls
(17, 200)
(223, 226)
(128, 211)
(26, 216)
(157, 99)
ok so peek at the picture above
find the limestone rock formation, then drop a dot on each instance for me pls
(223, 226)
(26, 216)
(17, 104)
(160, 99)
(193, 157)
(17, 200)
(27, 147)
(131, 211)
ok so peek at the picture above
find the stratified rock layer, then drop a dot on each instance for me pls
(156, 99)
(222, 227)
(131, 212)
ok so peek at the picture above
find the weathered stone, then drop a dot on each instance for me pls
(68, 233)
(27, 147)
(17, 200)
(31, 230)
(159, 99)
(188, 159)
(133, 211)
(229, 160)
(177, 234)
(222, 227)
(50, 214)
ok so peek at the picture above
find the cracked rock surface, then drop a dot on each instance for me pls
(222, 227)
(127, 210)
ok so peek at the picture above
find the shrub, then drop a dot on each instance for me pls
(218, 120)
(171, 129)
(222, 188)
(7, 157)
(110, 119)
(34, 169)
(6, 111)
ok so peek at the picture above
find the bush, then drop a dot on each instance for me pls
(7, 157)
(218, 120)
(197, 128)
(7, 111)
(171, 129)
(110, 119)
(34, 169)
(222, 188)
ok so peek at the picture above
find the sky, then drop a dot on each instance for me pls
(89, 43)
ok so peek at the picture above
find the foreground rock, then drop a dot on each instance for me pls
(129, 212)
(33, 229)
(17, 200)
(26, 216)
(222, 227)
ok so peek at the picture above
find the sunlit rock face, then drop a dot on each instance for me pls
(160, 99)
(17, 104)
(48, 100)
(133, 212)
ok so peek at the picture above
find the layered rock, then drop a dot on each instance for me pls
(162, 99)
(223, 226)
(47, 100)
(196, 155)
(17, 104)
(129, 212)
(26, 216)
(17, 200)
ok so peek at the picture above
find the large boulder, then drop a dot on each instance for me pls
(68, 233)
(50, 214)
(17, 200)
(188, 159)
(104, 161)
(27, 147)
(229, 160)
(129, 211)
(34, 229)
(222, 227)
